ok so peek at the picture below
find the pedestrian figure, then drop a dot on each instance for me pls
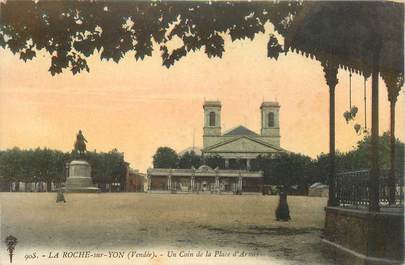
(282, 211)
(60, 197)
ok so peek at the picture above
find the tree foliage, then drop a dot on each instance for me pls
(359, 158)
(165, 157)
(215, 161)
(47, 165)
(296, 169)
(189, 159)
(71, 31)
(36, 165)
(107, 167)
(286, 169)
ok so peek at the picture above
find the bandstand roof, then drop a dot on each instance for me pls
(348, 32)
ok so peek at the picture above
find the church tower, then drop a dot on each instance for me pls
(212, 123)
(270, 122)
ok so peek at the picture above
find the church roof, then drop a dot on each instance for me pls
(240, 130)
(211, 148)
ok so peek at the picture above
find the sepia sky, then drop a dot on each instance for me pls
(139, 106)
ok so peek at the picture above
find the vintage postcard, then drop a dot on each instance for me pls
(201, 132)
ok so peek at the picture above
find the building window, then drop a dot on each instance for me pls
(270, 119)
(212, 118)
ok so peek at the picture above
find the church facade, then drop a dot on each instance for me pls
(240, 145)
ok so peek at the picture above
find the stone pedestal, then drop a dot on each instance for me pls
(79, 179)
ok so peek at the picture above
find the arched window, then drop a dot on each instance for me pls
(212, 118)
(270, 119)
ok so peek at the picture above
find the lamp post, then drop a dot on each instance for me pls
(11, 242)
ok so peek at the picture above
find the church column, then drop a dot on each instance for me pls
(192, 184)
(248, 164)
(216, 184)
(169, 183)
(149, 182)
(240, 188)
(226, 163)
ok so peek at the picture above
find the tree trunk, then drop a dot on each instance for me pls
(49, 186)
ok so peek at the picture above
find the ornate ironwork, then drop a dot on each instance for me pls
(352, 189)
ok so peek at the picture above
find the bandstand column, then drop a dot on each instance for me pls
(330, 69)
(375, 167)
(393, 82)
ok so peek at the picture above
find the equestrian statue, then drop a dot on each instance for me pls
(80, 144)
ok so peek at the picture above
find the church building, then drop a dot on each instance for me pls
(240, 145)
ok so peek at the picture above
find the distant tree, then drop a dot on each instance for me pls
(165, 157)
(190, 159)
(214, 161)
(107, 167)
(45, 165)
(286, 169)
(358, 159)
(10, 165)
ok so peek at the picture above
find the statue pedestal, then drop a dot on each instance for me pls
(79, 179)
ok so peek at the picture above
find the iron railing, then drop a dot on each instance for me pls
(352, 189)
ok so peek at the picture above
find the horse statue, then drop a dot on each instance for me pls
(80, 144)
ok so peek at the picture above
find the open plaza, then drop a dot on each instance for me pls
(148, 222)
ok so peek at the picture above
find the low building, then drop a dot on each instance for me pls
(204, 179)
(134, 181)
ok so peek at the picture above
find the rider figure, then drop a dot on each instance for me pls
(80, 145)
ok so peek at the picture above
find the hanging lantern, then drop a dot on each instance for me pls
(347, 116)
(353, 111)
(357, 128)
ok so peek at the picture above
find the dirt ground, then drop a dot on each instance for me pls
(163, 222)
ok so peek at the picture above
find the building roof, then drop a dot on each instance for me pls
(212, 103)
(270, 104)
(211, 149)
(240, 130)
(349, 33)
(204, 171)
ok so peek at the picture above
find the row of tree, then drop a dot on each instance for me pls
(292, 169)
(47, 165)
(166, 157)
